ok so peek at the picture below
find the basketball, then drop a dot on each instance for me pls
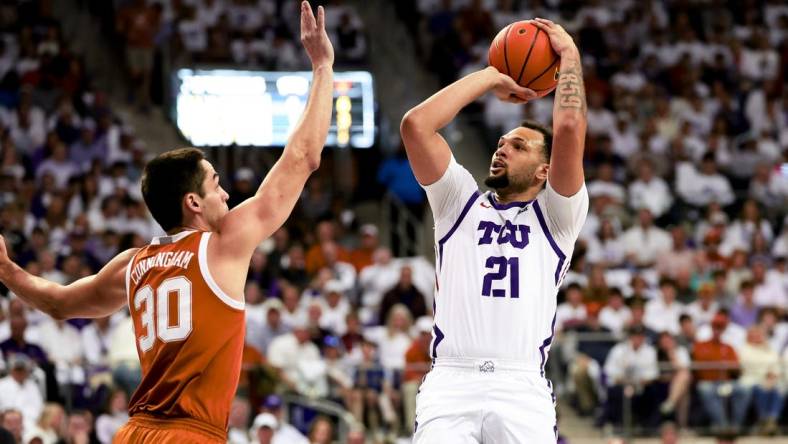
(523, 52)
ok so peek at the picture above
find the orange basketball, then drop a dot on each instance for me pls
(523, 52)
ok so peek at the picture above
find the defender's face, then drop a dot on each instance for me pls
(515, 162)
(214, 197)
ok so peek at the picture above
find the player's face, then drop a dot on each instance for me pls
(214, 197)
(518, 160)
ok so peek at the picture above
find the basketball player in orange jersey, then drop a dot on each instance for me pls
(185, 290)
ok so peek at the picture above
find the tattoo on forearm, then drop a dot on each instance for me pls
(570, 92)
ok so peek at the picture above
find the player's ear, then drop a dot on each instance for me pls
(192, 203)
(541, 172)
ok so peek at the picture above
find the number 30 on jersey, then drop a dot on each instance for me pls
(156, 306)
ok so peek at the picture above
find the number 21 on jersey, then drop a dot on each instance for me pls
(155, 315)
(502, 267)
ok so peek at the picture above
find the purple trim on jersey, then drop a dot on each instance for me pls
(438, 338)
(561, 255)
(500, 206)
(454, 227)
(544, 345)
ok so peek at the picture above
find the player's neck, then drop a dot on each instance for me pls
(194, 225)
(505, 196)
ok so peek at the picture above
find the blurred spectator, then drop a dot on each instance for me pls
(17, 343)
(679, 258)
(375, 280)
(701, 187)
(405, 293)
(260, 333)
(138, 23)
(50, 425)
(644, 241)
(662, 312)
(745, 312)
(768, 293)
(321, 431)
(632, 362)
(263, 428)
(237, 423)
(296, 358)
(123, 358)
(731, 333)
(649, 191)
(571, 312)
(704, 309)
(19, 391)
(115, 415)
(315, 256)
(13, 423)
(284, 433)
(363, 256)
(760, 373)
(594, 342)
(335, 307)
(615, 315)
(674, 376)
(717, 368)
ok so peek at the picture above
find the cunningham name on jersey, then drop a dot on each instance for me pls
(499, 267)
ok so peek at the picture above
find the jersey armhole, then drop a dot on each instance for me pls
(202, 258)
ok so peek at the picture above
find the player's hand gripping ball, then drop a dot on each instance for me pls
(523, 52)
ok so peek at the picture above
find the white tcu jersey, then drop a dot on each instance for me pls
(499, 268)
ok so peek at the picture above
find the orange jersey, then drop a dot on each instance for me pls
(189, 334)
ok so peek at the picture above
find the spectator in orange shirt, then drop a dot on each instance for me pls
(717, 373)
(361, 257)
(417, 364)
(315, 256)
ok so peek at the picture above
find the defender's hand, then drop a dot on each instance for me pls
(560, 40)
(314, 38)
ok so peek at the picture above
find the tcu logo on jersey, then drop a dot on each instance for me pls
(516, 235)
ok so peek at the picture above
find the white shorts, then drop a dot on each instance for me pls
(484, 401)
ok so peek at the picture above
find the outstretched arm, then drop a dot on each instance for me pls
(428, 152)
(258, 217)
(569, 113)
(94, 296)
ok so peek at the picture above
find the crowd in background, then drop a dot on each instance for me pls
(682, 262)
(678, 287)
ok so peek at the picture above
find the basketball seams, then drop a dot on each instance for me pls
(556, 59)
(505, 55)
(528, 56)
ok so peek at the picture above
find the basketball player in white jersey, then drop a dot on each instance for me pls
(501, 256)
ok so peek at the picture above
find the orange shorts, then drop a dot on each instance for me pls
(143, 429)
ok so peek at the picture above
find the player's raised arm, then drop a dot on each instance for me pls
(93, 296)
(428, 152)
(259, 216)
(569, 113)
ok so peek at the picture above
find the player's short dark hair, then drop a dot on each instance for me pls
(546, 132)
(169, 177)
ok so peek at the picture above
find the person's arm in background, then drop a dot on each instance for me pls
(569, 113)
(427, 150)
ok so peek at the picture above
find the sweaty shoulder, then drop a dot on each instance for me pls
(563, 216)
(449, 195)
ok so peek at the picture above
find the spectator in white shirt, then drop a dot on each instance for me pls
(63, 345)
(600, 119)
(631, 362)
(343, 272)
(649, 191)
(706, 185)
(615, 315)
(605, 185)
(296, 357)
(95, 342)
(606, 248)
(740, 233)
(572, 312)
(662, 313)
(375, 280)
(19, 391)
(293, 311)
(260, 332)
(58, 165)
(705, 307)
(768, 293)
(335, 307)
(624, 136)
(644, 241)
(760, 366)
